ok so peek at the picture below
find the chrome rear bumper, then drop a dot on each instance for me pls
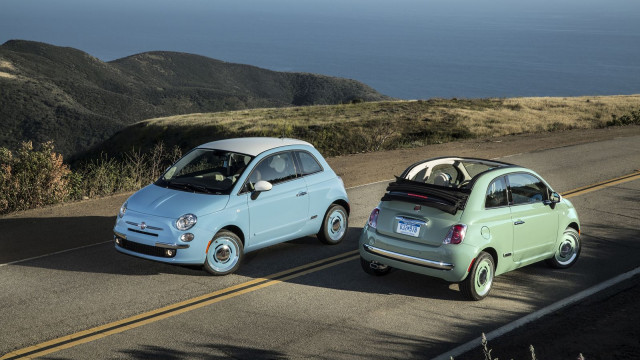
(408, 259)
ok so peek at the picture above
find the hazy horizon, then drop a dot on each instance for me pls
(407, 49)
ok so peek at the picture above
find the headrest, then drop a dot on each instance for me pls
(278, 164)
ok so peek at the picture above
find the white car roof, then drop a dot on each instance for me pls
(252, 145)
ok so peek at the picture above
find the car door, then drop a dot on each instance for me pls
(278, 214)
(535, 224)
(496, 219)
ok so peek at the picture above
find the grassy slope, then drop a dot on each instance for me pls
(63, 94)
(352, 128)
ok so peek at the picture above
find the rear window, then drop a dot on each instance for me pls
(474, 168)
(496, 194)
(308, 163)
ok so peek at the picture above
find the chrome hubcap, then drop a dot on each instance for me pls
(565, 249)
(223, 253)
(568, 250)
(484, 278)
(336, 225)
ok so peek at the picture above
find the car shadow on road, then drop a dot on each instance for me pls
(202, 351)
(82, 244)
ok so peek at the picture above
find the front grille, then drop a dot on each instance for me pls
(144, 249)
(142, 232)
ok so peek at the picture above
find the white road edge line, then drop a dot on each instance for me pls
(54, 253)
(538, 314)
(373, 183)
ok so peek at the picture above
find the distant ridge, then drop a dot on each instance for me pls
(63, 94)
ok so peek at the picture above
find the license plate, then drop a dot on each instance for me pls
(408, 228)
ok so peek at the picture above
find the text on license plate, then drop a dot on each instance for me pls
(408, 228)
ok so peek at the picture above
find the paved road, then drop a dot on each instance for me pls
(332, 312)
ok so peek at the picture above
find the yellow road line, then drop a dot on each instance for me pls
(132, 322)
(601, 185)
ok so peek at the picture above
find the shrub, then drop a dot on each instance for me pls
(32, 178)
(632, 118)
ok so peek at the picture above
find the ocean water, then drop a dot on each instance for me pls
(410, 49)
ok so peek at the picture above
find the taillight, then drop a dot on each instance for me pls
(455, 234)
(373, 218)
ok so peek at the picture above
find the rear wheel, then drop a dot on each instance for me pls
(480, 279)
(224, 254)
(568, 250)
(335, 225)
(376, 270)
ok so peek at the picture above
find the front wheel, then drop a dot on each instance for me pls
(568, 250)
(480, 279)
(335, 225)
(224, 253)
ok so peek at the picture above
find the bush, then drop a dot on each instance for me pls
(32, 178)
(632, 118)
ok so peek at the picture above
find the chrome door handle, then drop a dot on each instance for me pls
(302, 193)
(519, 222)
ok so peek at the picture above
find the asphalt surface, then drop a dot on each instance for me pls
(333, 312)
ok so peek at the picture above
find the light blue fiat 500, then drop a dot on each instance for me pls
(229, 197)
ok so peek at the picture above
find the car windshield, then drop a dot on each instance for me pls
(205, 171)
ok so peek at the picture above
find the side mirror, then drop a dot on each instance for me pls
(262, 186)
(554, 198)
(259, 187)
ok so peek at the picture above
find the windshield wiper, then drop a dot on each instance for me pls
(192, 187)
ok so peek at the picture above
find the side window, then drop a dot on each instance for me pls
(526, 189)
(496, 194)
(275, 169)
(308, 163)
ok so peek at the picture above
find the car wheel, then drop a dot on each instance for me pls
(224, 253)
(480, 279)
(335, 225)
(568, 250)
(379, 271)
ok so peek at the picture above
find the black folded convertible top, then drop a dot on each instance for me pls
(447, 199)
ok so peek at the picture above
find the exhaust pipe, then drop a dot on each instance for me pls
(377, 266)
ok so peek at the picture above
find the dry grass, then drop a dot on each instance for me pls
(362, 127)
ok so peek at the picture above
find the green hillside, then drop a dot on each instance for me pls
(65, 95)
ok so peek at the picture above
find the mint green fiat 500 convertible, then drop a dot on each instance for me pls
(467, 220)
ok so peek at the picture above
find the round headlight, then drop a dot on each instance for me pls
(186, 222)
(123, 209)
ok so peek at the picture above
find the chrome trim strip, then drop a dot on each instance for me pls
(408, 259)
(171, 246)
(122, 236)
(146, 226)
(411, 220)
